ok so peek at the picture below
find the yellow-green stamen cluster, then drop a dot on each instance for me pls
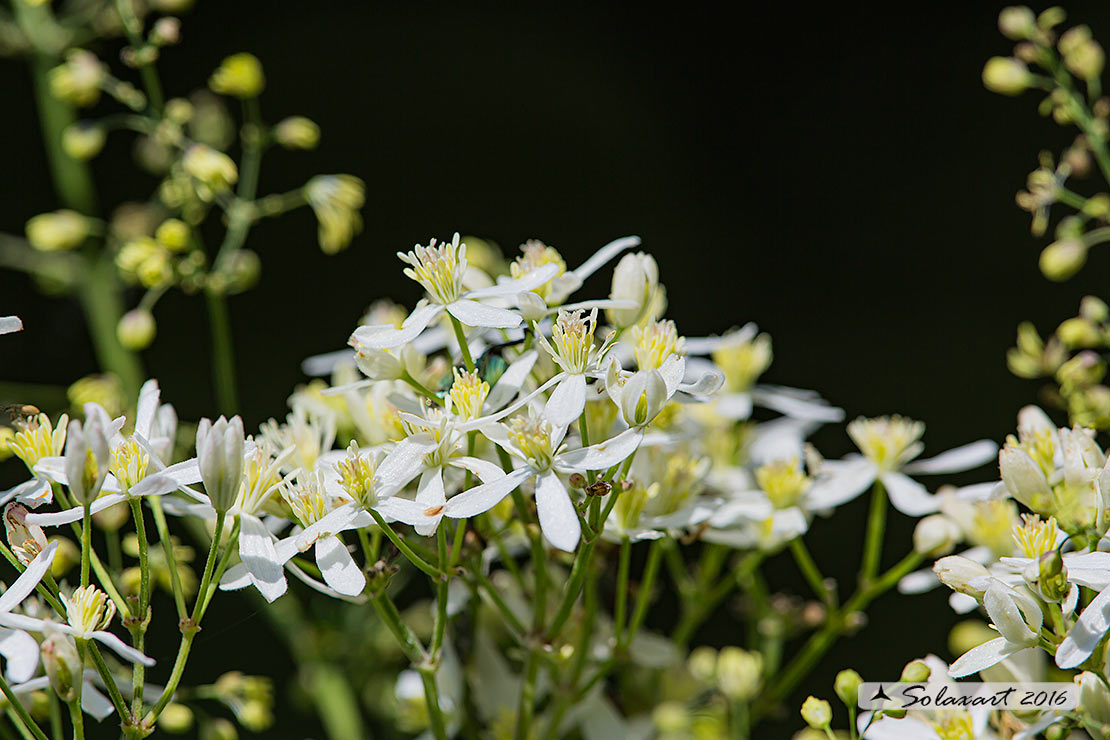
(89, 609)
(356, 476)
(888, 441)
(532, 436)
(537, 255)
(468, 393)
(655, 343)
(37, 439)
(783, 481)
(261, 477)
(308, 499)
(992, 525)
(1036, 537)
(953, 725)
(743, 361)
(128, 463)
(572, 341)
(438, 269)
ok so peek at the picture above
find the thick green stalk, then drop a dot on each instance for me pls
(809, 569)
(77, 717)
(167, 550)
(138, 630)
(86, 544)
(873, 539)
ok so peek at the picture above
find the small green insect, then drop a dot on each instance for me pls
(491, 365)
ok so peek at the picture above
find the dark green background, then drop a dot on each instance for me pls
(837, 175)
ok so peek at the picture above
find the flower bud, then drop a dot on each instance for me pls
(87, 455)
(702, 663)
(847, 685)
(935, 535)
(136, 329)
(62, 664)
(25, 540)
(213, 169)
(1006, 75)
(172, 234)
(1094, 698)
(166, 31)
(219, 729)
(1052, 576)
(176, 719)
(240, 76)
(1017, 22)
(297, 132)
(642, 398)
(1078, 332)
(958, 573)
(739, 673)
(220, 454)
(1082, 54)
(378, 364)
(1062, 259)
(51, 232)
(83, 140)
(816, 712)
(78, 80)
(636, 279)
(1023, 478)
(916, 671)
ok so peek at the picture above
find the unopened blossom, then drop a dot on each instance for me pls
(57, 231)
(635, 279)
(336, 200)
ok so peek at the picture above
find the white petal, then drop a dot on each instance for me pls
(386, 336)
(323, 588)
(21, 652)
(673, 371)
(848, 479)
(604, 454)
(402, 464)
(599, 258)
(734, 406)
(486, 496)
(533, 279)
(918, 582)
(157, 484)
(430, 495)
(75, 514)
(957, 459)
(256, 550)
(8, 324)
(28, 579)
(235, 578)
(338, 567)
(185, 472)
(558, 519)
(510, 382)
(567, 401)
(484, 469)
(909, 496)
(400, 509)
(791, 404)
(95, 703)
(149, 396)
(473, 313)
(121, 648)
(974, 660)
(749, 506)
(34, 493)
(1088, 631)
(336, 520)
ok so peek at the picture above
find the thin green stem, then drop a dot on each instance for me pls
(464, 350)
(134, 27)
(77, 717)
(168, 551)
(809, 569)
(431, 698)
(527, 703)
(442, 583)
(873, 539)
(421, 388)
(114, 693)
(404, 548)
(55, 715)
(621, 605)
(647, 588)
(223, 353)
(21, 713)
(86, 543)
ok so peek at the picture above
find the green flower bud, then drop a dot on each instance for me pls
(136, 329)
(847, 685)
(1093, 309)
(816, 712)
(739, 673)
(670, 716)
(702, 663)
(1017, 22)
(935, 535)
(213, 169)
(219, 729)
(83, 141)
(176, 719)
(1006, 75)
(916, 671)
(1078, 332)
(240, 76)
(59, 230)
(298, 132)
(1062, 259)
(62, 664)
(173, 234)
(78, 80)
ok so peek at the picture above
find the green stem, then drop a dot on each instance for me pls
(621, 605)
(431, 698)
(223, 353)
(647, 587)
(109, 680)
(442, 583)
(86, 543)
(133, 26)
(421, 388)
(404, 548)
(527, 702)
(55, 715)
(167, 549)
(464, 350)
(809, 569)
(24, 718)
(77, 717)
(873, 539)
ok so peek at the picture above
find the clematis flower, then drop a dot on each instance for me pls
(889, 445)
(439, 269)
(1017, 617)
(572, 348)
(539, 446)
(35, 439)
(19, 649)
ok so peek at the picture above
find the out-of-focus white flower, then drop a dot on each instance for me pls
(336, 200)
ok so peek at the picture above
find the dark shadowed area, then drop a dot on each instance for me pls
(839, 176)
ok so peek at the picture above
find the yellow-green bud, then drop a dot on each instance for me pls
(179, 110)
(219, 729)
(67, 556)
(702, 663)
(1062, 259)
(817, 713)
(1082, 54)
(1093, 309)
(214, 169)
(1078, 332)
(935, 535)
(1052, 576)
(1006, 75)
(166, 31)
(1051, 17)
(1017, 22)
(78, 80)
(243, 270)
(298, 132)
(176, 719)
(137, 328)
(670, 716)
(739, 673)
(916, 671)
(969, 634)
(173, 234)
(83, 141)
(51, 232)
(255, 715)
(847, 685)
(62, 664)
(240, 76)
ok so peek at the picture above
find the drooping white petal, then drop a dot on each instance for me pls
(602, 256)
(734, 406)
(387, 336)
(338, 567)
(235, 578)
(567, 401)
(602, 455)
(1088, 631)
(524, 283)
(793, 404)
(909, 496)
(94, 703)
(157, 484)
(989, 653)
(473, 313)
(484, 497)
(402, 464)
(409, 512)
(957, 459)
(149, 396)
(185, 472)
(75, 514)
(484, 469)
(256, 550)
(558, 519)
(847, 479)
(430, 495)
(918, 582)
(28, 579)
(673, 371)
(121, 648)
(21, 653)
(9, 324)
(34, 493)
(510, 382)
(323, 588)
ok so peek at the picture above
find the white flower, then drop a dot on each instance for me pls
(35, 439)
(439, 269)
(635, 279)
(86, 456)
(1089, 629)
(889, 444)
(1017, 617)
(546, 298)
(538, 445)
(572, 348)
(19, 649)
(220, 455)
